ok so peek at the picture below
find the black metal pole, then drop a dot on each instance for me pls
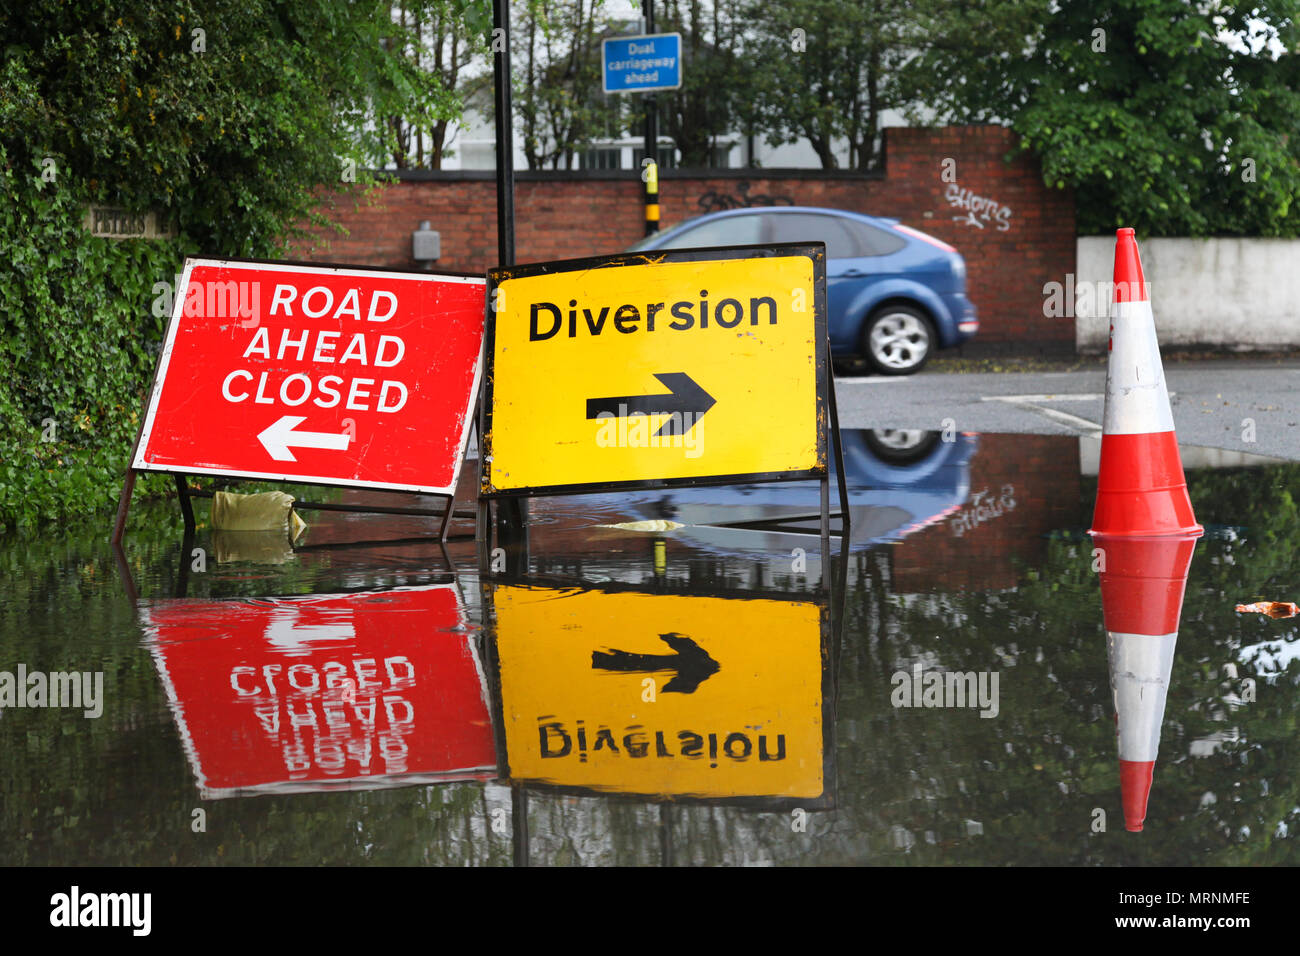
(511, 512)
(519, 824)
(650, 171)
(505, 137)
(666, 835)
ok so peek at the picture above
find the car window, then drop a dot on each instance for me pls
(727, 231)
(814, 227)
(874, 241)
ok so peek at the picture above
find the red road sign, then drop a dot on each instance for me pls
(357, 691)
(318, 374)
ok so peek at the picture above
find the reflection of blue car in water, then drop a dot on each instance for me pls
(898, 482)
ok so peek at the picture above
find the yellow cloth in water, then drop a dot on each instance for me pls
(657, 524)
(265, 511)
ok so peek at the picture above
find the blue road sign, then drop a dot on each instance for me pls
(643, 64)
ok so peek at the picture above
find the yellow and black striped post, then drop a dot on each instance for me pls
(650, 162)
(651, 176)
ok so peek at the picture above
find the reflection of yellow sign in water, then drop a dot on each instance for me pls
(661, 694)
(659, 371)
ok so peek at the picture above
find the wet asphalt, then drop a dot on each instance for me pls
(1245, 405)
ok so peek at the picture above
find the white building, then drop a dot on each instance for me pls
(473, 146)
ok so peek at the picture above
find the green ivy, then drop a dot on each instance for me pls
(78, 342)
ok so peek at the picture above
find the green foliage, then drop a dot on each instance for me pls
(228, 129)
(78, 342)
(556, 73)
(223, 116)
(717, 83)
(448, 39)
(826, 72)
(1177, 119)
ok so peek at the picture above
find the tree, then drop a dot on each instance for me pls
(1175, 118)
(436, 37)
(226, 116)
(715, 77)
(826, 71)
(557, 80)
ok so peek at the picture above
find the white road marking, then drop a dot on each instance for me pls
(1055, 397)
(871, 379)
(1031, 403)
(1081, 425)
(1028, 402)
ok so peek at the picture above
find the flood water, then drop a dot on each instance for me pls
(691, 691)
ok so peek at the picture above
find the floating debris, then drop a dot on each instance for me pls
(656, 525)
(264, 511)
(1271, 608)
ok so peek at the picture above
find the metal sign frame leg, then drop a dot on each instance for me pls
(187, 506)
(446, 520)
(128, 481)
(825, 485)
(123, 506)
(841, 481)
(482, 510)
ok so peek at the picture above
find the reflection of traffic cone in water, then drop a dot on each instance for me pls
(1140, 485)
(1142, 583)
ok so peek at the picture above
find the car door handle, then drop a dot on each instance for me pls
(853, 274)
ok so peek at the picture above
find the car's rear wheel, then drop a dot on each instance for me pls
(897, 340)
(901, 446)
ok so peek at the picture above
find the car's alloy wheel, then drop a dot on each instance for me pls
(897, 340)
(901, 446)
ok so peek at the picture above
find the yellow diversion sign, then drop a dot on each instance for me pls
(662, 694)
(657, 369)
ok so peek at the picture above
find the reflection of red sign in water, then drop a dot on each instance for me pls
(359, 690)
(339, 376)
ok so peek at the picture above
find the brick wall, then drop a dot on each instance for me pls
(1031, 487)
(1025, 237)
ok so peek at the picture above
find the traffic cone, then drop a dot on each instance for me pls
(1142, 586)
(1140, 485)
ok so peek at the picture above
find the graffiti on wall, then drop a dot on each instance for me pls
(977, 210)
(716, 201)
(981, 508)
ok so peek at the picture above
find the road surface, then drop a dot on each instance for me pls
(1240, 405)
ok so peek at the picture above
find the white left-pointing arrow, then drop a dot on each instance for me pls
(277, 438)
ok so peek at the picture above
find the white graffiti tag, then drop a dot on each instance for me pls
(982, 508)
(977, 208)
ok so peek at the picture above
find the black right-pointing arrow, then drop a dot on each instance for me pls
(685, 397)
(691, 662)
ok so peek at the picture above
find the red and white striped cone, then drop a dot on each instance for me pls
(1142, 587)
(1140, 485)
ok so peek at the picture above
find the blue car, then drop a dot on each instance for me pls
(899, 481)
(895, 294)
